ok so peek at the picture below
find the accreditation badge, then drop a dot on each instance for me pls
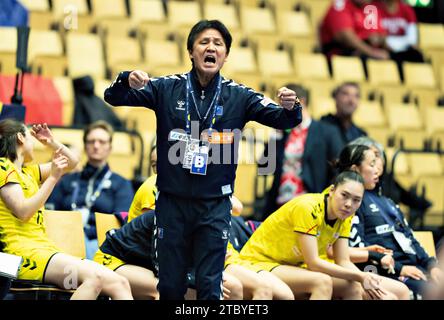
(200, 162)
(191, 147)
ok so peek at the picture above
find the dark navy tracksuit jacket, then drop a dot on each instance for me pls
(374, 223)
(193, 211)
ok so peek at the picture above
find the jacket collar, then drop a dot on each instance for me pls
(89, 171)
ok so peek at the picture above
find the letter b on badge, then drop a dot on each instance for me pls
(199, 165)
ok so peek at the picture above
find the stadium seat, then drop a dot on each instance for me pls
(108, 8)
(66, 92)
(115, 54)
(403, 116)
(383, 72)
(281, 64)
(294, 24)
(244, 188)
(65, 228)
(123, 158)
(433, 188)
(72, 15)
(425, 239)
(147, 11)
(226, 13)
(311, 66)
(380, 134)
(425, 164)
(437, 141)
(347, 69)
(321, 105)
(434, 120)
(240, 60)
(104, 223)
(418, 75)
(85, 55)
(40, 15)
(9, 39)
(410, 139)
(45, 43)
(431, 35)
(401, 165)
(389, 95)
(369, 114)
(159, 53)
(7, 63)
(317, 10)
(255, 20)
(121, 26)
(182, 15)
(302, 44)
(45, 53)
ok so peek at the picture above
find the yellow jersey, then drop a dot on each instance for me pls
(14, 233)
(144, 199)
(276, 238)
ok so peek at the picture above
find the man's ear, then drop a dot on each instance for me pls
(226, 58)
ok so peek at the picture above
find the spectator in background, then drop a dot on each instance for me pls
(351, 27)
(399, 21)
(303, 156)
(96, 188)
(347, 96)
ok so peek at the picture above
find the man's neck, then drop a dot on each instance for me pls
(346, 121)
(97, 164)
(203, 79)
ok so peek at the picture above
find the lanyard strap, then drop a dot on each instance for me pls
(91, 196)
(190, 90)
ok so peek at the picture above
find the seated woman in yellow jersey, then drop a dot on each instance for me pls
(292, 243)
(22, 229)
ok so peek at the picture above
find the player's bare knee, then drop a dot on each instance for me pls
(355, 291)
(264, 291)
(323, 283)
(95, 281)
(236, 290)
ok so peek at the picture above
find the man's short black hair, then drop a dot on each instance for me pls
(209, 24)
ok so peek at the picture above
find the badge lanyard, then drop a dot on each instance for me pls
(91, 196)
(189, 91)
(196, 156)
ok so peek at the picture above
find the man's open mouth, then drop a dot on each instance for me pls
(210, 59)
